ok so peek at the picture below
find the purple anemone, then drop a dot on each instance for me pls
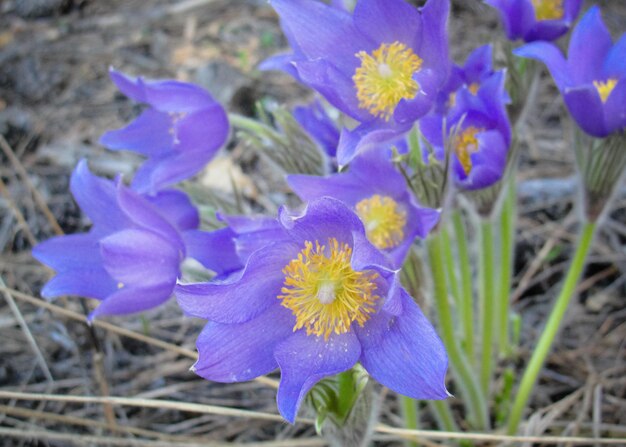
(382, 65)
(313, 304)
(593, 78)
(379, 195)
(533, 20)
(478, 132)
(315, 120)
(130, 259)
(180, 132)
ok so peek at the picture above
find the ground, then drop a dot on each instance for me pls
(55, 102)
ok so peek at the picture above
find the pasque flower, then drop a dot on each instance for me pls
(381, 65)
(533, 20)
(593, 78)
(478, 133)
(315, 120)
(130, 259)
(379, 195)
(313, 304)
(180, 132)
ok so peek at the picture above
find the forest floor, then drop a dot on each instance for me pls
(56, 100)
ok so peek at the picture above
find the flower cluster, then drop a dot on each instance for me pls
(317, 289)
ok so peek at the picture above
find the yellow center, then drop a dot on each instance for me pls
(465, 144)
(548, 9)
(473, 88)
(605, 88)
(324, 293)
(384, 221)
(385, 77)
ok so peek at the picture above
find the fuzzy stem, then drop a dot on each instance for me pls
(450, 268)
(411, 415)
(467, 305)
(488, 304)
(467, 381)
(507, 250)
(552, 326)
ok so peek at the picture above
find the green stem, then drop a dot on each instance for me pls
(450, 268)
(552, 326)
(467, 305)
(507, 250)
(488, 305)
(411, 416)
(444, 416)
(467, 381)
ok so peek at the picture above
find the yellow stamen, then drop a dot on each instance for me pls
(385, 78)
(323, 291)
(465, 144)
(548, 9)
(452, 99)
(605, 88)
(473, 88)
(384, 221)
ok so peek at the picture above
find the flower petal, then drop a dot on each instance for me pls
(239, 352)
(615, 62)
(404, 353)
(137, 257)
(588, 47)
(615, 108)
(215, 250)
(90, 282)
(586, 108)
(388, 21)
(550, 55)
(129, 300)
(149, 134)
(177, 208)
(241, 296)
(304, 360)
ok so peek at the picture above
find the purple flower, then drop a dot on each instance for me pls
(314, 304)
(533, 20)
(130, 259)
(315, 120)
(180, 132)
(379, 195)
(478, 131)
(593, 78)
(383, 64)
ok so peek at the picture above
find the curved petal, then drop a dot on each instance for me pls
(129, 300)
(242, 296)
(388, 21)
(177, 208)
(239, 352)
(552, 57)
(410, 110)
(92, 282)
(615, 108)
(433, 40)
(305, 359)
(546, 30)
(588, 47)
(615, 62)
(586, 108)
(166, 96)
(488, 163)
(404, 352)
(150, 134)
(478, 64)
(368, 136)
(281, 62)
(215, 250)
(97, 199)
(518, 16)
(68, 252)
(137, 257)
(321, 31)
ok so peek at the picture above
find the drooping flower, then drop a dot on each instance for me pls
(533, 20)
(180, 132)
(379, 195)
(478, 134)
(593, 78)
(314, 304)
(130, 259)
(381, 65)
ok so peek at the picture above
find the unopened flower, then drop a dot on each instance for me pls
(314, 304)
(130, 259)
(381, 65)
(593, 78)
(533, 20)
(180, 132)
(379, 195)
(477, 133)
